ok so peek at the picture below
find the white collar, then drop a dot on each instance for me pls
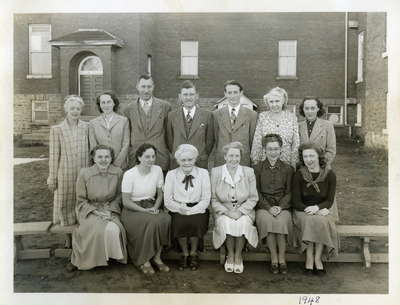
(191, 111)
(194, 172)
(142, 102)
(228, 178)
(236, 109)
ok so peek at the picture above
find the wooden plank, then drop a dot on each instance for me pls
(363, 231)
(34, 254)
(29, 228)
(367, 254)
(57, 229)
(62, 252)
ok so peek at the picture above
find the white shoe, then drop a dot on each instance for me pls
(228, 266)
(238, 268)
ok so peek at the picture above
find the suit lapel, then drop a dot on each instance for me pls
(136, 114)
(115, 120)
(240, 119)
(197, 119)
(156, 110)
(180, 124)
(226, 120)
(316, 130)
(67, 135)
(303, 131)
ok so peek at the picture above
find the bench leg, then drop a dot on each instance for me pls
(222, 254)
(18, 246)
(367, 254)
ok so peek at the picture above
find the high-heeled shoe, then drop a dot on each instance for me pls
(238, 268)
(228, 266)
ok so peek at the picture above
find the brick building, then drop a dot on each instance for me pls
(305, 53)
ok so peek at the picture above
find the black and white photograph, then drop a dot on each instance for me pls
(200, 153)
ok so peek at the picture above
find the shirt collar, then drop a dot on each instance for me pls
(191, 111)
(150, 101)
(194, 172)
(268, 164)
(227, 177)
(236, 109)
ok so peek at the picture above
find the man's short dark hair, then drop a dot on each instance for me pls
(233, 82)
(144, 76)
(187, 84)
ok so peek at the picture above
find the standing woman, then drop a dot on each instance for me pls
(68, 153)
(313, 193)
(110, 128)
(273, 216)
(279, 121)
(100, 234)
(316, 130)
(187, 197)
(233, 198)
(147, 226)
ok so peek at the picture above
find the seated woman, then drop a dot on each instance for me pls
(147, 226)
(273, 217)
(313, 193)
(187, 197)
(100, 234)
(233, 198)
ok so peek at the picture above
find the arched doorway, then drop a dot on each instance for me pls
(90, 83)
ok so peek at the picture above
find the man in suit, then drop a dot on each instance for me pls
(191, 125)
(148, 121)
(234, 123)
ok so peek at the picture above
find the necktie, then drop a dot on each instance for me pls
(146, 106)
(189, 118)
(188, 181)
(233, 116)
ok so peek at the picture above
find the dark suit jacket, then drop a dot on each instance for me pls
(323, 135)
(201, 134)
(156, 134)
(242, 131)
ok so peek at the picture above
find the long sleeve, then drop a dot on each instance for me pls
(123, 154)
(83, 207)
(210, 134)
(217, 206)
(295, 143)
(296, 193)
(330, 149)
(331, 180)
(54, 155)
(256, 148)
(205, 196)
(92, 137)
(115, 204)
(247, 206)
(263, 203)
(216, 129)
(170, 133)
(284, 202)
(169, 202)
(253, 126)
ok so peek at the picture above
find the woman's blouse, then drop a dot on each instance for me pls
(176, 195)
(274, 184)
(286, 127)
(303, 196)
(98, 190)
(142, 186)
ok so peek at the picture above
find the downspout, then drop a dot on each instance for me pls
(345, 70)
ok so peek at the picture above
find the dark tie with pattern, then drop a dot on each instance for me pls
(233, 116)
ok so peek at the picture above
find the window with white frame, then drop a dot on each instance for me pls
(40, 111)
(149, 65)
(39, 50)
(335, 114)
(287, 58)
(360, 57)
(359, 117)
(189, 58)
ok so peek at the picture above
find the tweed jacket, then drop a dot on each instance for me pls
(201, 134)
(242, 131)
(68, 153)
(245, 188)
(156, 134)
(323, 135)
(116, 137)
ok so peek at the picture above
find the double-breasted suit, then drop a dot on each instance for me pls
(322, 135)
(116, 136)
(150, 128)
(200, 134)
(241, 131)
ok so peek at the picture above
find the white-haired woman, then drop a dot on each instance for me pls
(187, 194)
(277, 120)
(234, 196)
(68, 153)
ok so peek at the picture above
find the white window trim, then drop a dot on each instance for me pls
(149, 64)
(189, 76)
(33, 112)
(359, 116)
(279, 56)
(360, 58)
(341, 114)
(80, 72)
(38, 76)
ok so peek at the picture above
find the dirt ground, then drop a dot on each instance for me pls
(362, 196)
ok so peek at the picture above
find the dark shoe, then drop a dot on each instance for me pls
(283, 268)
(274, 268)
(183, 263)
(308, 271)
(320, 272)
(194, 262)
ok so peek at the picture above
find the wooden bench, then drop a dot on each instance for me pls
(364, 232)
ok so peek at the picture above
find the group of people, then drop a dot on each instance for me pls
(270, 181)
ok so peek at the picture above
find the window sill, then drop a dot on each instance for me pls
(32, 76)
(188, 77)
(286, 78)
(358, 81)
(357, 124)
